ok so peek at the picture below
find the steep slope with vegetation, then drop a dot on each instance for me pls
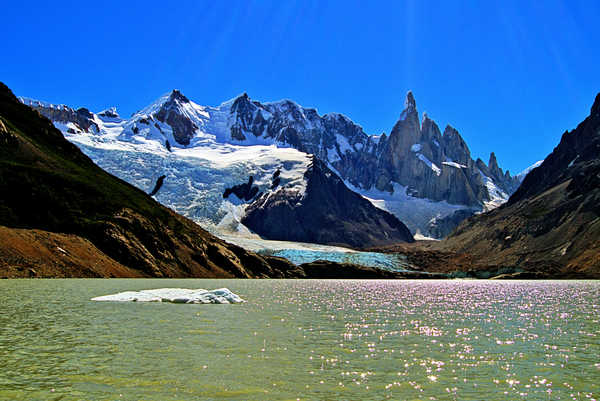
(61, 215)
(552, 222)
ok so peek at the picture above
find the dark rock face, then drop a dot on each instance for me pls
(183, 128)
(82, 117)
(553, 219)
(276, 179)
(578, 148)
(326, 213)
(435, 166)
(7, 139)
(245, 191)
(415, 154)
(332, 138)
(440, 228)
(455, 147)
(158, 185)
(109, 113)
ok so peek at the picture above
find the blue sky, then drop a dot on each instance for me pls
(510, 76)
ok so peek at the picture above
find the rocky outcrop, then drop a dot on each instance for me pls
(169, 113)
(435, 166)
(325, 213)
(441, 227)
(416, 154)
(333, 138)
(158, 185)
(552, 222)
(3, 129)
(245, 191)
(82, 118)
(109, 113)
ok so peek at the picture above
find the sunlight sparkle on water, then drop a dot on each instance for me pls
(302, 339)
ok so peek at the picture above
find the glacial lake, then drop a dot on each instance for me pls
(301, 339)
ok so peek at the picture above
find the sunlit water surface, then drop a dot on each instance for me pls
(307, 340)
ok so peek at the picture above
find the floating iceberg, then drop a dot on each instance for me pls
(175, 295)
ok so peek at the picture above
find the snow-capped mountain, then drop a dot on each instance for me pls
(422, 177)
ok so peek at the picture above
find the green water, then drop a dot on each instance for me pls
(307, 340)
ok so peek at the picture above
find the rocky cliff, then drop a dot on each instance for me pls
(435, 166)
(82, 118)
(326, 212)
(552, 222)
(415, 162)
(415, 155)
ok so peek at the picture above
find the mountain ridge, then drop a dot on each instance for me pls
(86, 222)
(552, 222)
(415, 161)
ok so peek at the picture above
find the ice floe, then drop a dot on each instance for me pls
(175, 295)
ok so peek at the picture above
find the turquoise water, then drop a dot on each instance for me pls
(391, 262)
(302, 339)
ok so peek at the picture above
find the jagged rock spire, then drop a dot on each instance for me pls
(493, 163)
(410, 108)
(177, 95)
(455, 147)
(170, 113)
(493, 166)
(409, 102)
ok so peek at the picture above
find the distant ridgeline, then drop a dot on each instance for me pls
(426, 179)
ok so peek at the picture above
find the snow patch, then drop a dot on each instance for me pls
(415, 212)
(343, 143)
(39, 103)
(521, 176)
(420, 237)
(454, 164)
(431, 165)
(497, 196)
(195, 177)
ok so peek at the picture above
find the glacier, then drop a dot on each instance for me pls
(143, 148)
(299, 252)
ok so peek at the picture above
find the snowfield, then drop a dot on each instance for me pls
(197, 177)
(415, 212)
(142, 148)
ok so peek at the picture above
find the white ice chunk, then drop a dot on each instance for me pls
(175, 295)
